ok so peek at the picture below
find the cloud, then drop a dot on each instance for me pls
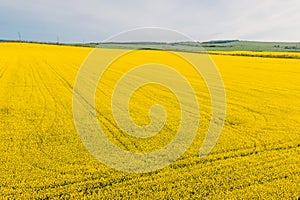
(94, 20)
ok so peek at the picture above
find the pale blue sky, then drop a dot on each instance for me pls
(96, 20)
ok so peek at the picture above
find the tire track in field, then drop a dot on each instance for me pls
(261, 116)
(119, 139)
(3, 67)
(30, 74)
(42, 118)
(47, 93)
(17, 83)
(257, 116)
(2, 71)
(233, 154)
(184, 168)
(70, 88)
(26, 143)
(137, 146)
(57, 102)
(35, 131)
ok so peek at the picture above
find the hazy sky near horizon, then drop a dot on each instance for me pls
(96, 20)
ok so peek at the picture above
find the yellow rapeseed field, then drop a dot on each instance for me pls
(42, 156)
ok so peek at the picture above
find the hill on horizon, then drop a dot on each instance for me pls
(213, 45)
